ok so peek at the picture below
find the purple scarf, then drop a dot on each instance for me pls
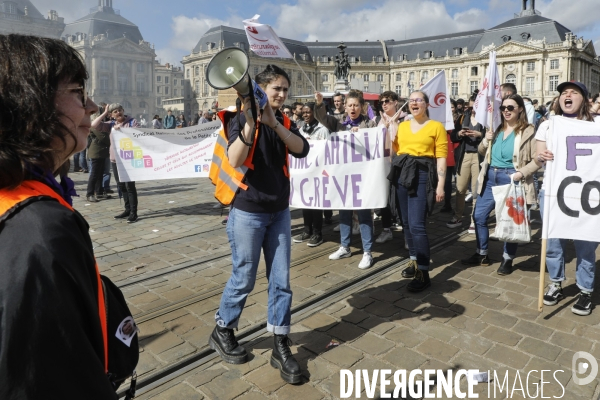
(350, 123)
(66, 187)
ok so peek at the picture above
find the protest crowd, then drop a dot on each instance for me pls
(428, 165)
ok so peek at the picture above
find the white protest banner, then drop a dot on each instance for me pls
(263, 40)
(439, 106)
(489, 98)
(572, 181)
(347, 171)
(152, 154)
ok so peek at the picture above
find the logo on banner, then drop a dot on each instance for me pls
(128, 151)
(438, 100)
(202, 168)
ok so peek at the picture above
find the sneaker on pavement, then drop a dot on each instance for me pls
(454, 223)
(469, 197)
(302, 237)
(583, 305)
(471, 229)
(337, 228)
(366, 261)
(553, 294)
(342, 252)
(315, 240)
(92, 199)
(476, 259)
(397, 227)
(384, 236)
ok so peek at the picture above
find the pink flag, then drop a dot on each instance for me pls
(489, 98)
(263, 40)
(439, 106)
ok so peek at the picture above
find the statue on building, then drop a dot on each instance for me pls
(342, 65)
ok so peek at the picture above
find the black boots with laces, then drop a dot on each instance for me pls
(283, 360)
(223, 341)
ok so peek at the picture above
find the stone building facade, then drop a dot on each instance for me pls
(21, 16)
(533, 52)
(172, 90)
(119, 62)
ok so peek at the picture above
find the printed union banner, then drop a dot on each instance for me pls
(152, 154)
(572, 181)
(346, 171)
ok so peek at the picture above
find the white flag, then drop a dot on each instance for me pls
(263, 40)
(489, 97)
(439, 106)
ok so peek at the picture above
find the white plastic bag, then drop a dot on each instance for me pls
(512, 223)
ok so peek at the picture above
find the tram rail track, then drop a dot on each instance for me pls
(312, 305)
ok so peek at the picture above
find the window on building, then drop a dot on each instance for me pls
(158, 89)
(427, 54)
(158, 78)
(140, 67)
(104, 83)
(140, 84)
(166, 90)
(474, 86)
(299, 76)
(398, 77)
(166, 79)
(366, 88)
(352, 59)
(324, 77)
(530, 85)
(553, 83)
(425, 76)
(158, 101)
(399, 90)
(379, 77)
(505, 38)
(454, 89)
(10, 8)
(457, 51)
(197, 71)
(511, 78)
(554, 64)
(474, 71)
(454, 74)
(525, 36)
(366, 77)
(103, 64)
(205, 89)
(411, 76)
(197, 88)
(324, 59)
(530, 66)
(187, 73)
(175, 82)
(175, 92)
(122, 83)
(326, 88)
(379, 59)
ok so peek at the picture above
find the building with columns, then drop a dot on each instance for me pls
(21, 16)
(533, 52)
(172, 90)
(120, 62)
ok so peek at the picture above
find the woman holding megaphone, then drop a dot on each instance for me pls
(260, 219)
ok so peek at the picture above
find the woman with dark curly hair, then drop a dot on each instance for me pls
(52, 315)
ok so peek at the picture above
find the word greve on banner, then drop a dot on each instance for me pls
(572, 187)
(347, 171)
(152, 154)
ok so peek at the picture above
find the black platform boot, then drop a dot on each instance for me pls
(223, 341)
(127, 211)
(283, 360)
(133, 203)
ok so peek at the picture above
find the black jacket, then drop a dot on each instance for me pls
(405, 172)
(99, 144)
(50, 336)
(268, 187)
(459, 153)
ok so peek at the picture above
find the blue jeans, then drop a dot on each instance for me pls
(81, 156)
(484, 207)
(105, 175)
(586, 259)
(413, 210)
(365, 220)
(248, 233)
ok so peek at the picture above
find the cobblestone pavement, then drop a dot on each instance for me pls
(470, 318)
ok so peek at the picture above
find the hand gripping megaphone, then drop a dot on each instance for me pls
(229, 69)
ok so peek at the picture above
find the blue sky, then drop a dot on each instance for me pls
(175, 26)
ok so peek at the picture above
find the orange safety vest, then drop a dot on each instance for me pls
(229, 180)
(10, 201)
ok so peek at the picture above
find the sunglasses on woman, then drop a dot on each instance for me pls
(509, 108)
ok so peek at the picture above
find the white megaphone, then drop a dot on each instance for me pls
(229, 69)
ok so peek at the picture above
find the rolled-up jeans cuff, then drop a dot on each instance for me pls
(585, 289)
(278, 330)
(221, 323)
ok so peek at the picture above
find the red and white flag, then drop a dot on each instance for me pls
(439, 106)
(263, 40)
(489, 99)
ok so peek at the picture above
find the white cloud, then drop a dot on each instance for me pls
(187, 31)
(577, 16)
(388, 20)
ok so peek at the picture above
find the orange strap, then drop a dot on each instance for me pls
(11, 198)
